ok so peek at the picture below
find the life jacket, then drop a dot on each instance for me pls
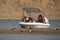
(41, 19)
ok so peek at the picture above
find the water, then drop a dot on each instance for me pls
(54, 23)
(9, 23)
(15, 23)
(28, 37)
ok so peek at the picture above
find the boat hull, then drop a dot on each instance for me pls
(33, 25)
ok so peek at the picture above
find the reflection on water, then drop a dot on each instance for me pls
(15, 23)
(28, 37)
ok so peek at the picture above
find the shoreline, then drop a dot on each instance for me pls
(45, 31)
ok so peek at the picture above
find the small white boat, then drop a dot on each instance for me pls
(34, 24)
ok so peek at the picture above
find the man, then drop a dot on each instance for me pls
(41, 19)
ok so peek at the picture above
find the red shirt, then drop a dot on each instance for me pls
(41, 18)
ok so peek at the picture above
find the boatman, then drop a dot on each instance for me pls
(41, 19)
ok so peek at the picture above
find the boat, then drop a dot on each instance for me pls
(34, 24)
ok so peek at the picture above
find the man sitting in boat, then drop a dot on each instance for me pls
(41, 19)
(30, 19)
(27, 19)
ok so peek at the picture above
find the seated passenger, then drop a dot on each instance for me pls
(41, 19)
(30, 19)
(27, 19)
(24, 19)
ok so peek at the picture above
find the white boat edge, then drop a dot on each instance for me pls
(34, 24)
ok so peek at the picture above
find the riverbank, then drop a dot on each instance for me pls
(47, 31)
(13, 9)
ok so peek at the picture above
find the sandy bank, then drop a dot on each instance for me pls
(13, 9)
(50, 31)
